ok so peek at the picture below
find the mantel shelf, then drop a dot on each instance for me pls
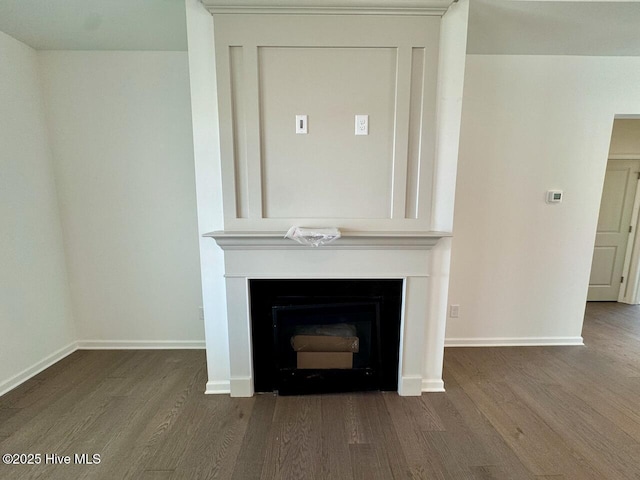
(363, 240)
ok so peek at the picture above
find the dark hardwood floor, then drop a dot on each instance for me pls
(518, 413)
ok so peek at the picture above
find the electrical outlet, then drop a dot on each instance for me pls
(201, 313)
(454, 311)
(362, 124)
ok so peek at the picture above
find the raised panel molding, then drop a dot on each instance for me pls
(271, 66)
(330, 171)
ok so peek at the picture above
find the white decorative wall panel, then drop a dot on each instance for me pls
(330, 68)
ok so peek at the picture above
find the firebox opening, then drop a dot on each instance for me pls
(322, 336)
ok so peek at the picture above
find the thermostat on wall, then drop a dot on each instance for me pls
(554, 196)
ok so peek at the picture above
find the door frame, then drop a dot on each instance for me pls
(630, 286)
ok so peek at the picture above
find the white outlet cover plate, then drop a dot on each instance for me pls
(362, 124)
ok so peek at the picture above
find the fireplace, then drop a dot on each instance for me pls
(390, 192)
(318, 336)
(406, 259)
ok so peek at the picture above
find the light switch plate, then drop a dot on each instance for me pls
(301, 124)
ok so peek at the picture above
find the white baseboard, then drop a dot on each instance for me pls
(513, 342)
(140, 344)
(35, 369)
(410, 386)
(217, 387)
(241, 386)
(433, 385)
(414, 386)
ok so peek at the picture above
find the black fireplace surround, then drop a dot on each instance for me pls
(323, 336)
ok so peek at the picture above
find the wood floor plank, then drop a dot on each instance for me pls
(416, 411)
(445, 448)
(45, 403)
(427, 472)
(411, 417)
(184, 418)
(489, 472)
(64, 414)
(6, 414)
(61, 374)
(294, 449)
(358, 429)
(335, 456)
(594, 438)
(366, 464)
(252, 452)
(617, 402)
(487, 433)
(149, 431)
(219, 442)
(355, 425)
(151, 414)
(538, 447)
(158, 475)
(389, 451)
(468, 449)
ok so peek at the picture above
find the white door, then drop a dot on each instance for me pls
(614, 229)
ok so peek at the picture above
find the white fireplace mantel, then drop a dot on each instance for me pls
(348, 240)
(356, 255)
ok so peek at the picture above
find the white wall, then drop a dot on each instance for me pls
(36, 324)
(120, 128)
(520, 267)
(204, 105)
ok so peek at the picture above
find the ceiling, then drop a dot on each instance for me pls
(602, 28)
(96, 24)
(495, 26)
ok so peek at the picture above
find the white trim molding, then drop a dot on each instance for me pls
(330, 7)
(35, 369)
(624, 156)
(218, 387)
(141, 345)
(241, 386)
(513, 341)
(432, 385)
(410, 386)
(347, 241)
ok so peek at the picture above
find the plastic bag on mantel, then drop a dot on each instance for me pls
(313, 237)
